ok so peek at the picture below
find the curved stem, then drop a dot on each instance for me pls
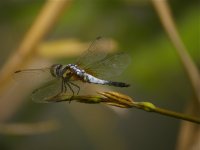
(123, 101)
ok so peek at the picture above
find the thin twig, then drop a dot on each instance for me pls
(47, 18)
(72, 47)
(29, 128)
(120, 100)
(163, 10)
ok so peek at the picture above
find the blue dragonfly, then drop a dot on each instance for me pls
(93, 66)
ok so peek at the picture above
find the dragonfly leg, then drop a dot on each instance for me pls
(63, 87)
(71, 90)
(75, 86)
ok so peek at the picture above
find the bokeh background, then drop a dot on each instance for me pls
(155, 74)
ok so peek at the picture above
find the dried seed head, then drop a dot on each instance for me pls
(117, 99)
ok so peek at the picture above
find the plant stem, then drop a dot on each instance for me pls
(122, 101)
(152, 108)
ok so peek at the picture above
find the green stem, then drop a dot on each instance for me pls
(177, 115)
(152, 108)
(123, 101)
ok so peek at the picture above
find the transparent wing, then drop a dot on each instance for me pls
(49, 89)
(35, 75)
(110, 66)
(42, 78)
(96, 51)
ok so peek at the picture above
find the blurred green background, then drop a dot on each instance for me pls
(155, 74)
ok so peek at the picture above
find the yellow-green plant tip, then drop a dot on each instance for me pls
(149, 105)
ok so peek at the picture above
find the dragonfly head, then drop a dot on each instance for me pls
(55, 70)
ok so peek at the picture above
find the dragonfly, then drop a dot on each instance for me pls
(92, 67)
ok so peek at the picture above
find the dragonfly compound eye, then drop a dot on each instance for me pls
(55, 70)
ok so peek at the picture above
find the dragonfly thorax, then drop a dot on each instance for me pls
(76, 70)
(58, 70)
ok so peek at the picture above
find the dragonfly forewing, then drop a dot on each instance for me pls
(34, 75)
(41, 80)
(110, 66)
(97, 50)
